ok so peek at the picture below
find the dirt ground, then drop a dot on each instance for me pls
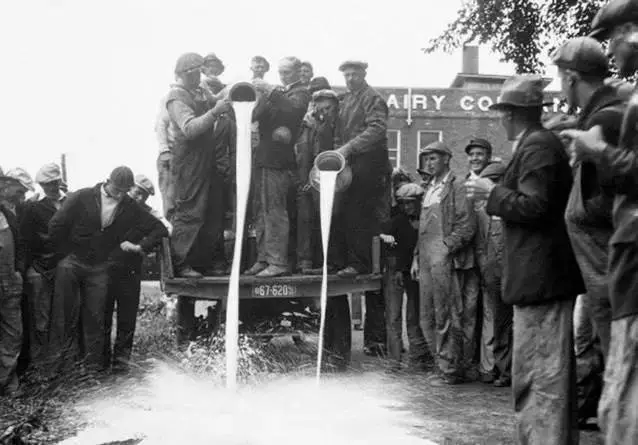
(464, 414)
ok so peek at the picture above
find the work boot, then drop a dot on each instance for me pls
(257, 267)
(503, 382)
(272, 271)
(188, 272)
(348, 272)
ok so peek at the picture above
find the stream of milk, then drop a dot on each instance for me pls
(327, 180)
(243, 117)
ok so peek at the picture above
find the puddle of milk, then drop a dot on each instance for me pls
(327, 181)
(243, 118)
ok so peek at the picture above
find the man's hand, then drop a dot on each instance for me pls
(304, 188)
(128, 246)
(398, 279)
(585, 144)
(388, 239)
(479, 188)
(221, 107)
(414, 270)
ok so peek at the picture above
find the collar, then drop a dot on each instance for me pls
(443, 180)
(364, 85)
(517, 141)
(603, 97)
(290, 86)
(42, 197)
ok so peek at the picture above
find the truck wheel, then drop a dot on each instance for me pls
(185, 319)
(337, 338)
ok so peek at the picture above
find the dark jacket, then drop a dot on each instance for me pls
(20, 251)
(592, 195)
(362, 125)
(77, 228)
(406, 237)
(539, 264)
(282, 108)
(41, 253)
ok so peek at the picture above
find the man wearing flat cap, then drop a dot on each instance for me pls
(92, 230)
(479, 154)
(541, 277)
(197, 218)
(41, 260)
(361, 129)
(583, 67)
(618, 22)
(444, 252)
(13, 186)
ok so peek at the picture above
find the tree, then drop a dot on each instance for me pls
(521, 31)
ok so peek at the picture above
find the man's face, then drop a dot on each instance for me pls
(326, 110)
(478, 159)
(622, 47)
(354, 77)
(51, 189)
(436, 164)
(259, 69)
(288, 73)
(507, 123)
(410, 207)
(212, 69)
(191, 79)
(114, 192)
(138, 194)
(567, 84)
(13, 192)
(305, 73)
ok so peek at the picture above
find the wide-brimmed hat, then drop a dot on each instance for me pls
(522, 91)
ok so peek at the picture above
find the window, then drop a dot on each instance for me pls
(394, 147)
(426, 137)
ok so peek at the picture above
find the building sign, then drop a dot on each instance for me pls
(425, 101)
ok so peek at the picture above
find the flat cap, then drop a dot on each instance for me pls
(479, 142)
(584, 55)
(212, 57)
(613, 14)
(318, 83)
(409, 191)
(521, 91)
(188, 62)
(324, 94)
(353, 63)
(48, 173)
(493, 170)
(20, 175)
(122, 178)
(437, 147)
(145, 183)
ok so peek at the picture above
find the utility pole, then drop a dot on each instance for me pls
(63, 166)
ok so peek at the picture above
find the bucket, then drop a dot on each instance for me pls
(331, 161)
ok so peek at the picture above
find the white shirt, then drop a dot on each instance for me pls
(434, 190)
(109, 205)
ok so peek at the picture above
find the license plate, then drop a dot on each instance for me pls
(274, 290)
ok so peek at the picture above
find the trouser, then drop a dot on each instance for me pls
(79, 305)
(124, 292)
(272, 223)
(618, 407)
(440, 311)
(374, 328)
(10, 338)
(164, 182)
(591, 248)
(39, 292)
(469, 280)
(393, 296)
(419, 351)
(308, 230)
(543, 374)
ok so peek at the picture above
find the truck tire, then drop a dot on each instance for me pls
(337, 338)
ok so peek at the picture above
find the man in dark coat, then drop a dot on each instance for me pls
(541, 276)
(618, 22)
(198, 215)
(93, 227)
(583, 67)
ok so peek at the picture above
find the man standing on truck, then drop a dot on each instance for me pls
(198, 215)
(361, 128)
(92, 228)
(279, 113)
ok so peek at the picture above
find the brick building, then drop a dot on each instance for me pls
(419, 116)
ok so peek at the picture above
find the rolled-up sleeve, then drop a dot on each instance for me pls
(376, 124)
(184, 117)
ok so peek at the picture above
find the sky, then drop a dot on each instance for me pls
(86, 78)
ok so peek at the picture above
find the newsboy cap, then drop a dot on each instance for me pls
(493, 170)
(353, 63)
(48, 173)
(479, 142)
(188, 62)
(613, 14)
(324, 94)
(145, 183)
(20, 175)
(436, 147)
(584, 55)
(521, 91)
(122, 178)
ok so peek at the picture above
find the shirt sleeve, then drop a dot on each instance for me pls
(376, 117)
(184, 117)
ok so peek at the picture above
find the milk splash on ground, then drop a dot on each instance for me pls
(243, 118)
(327, 181)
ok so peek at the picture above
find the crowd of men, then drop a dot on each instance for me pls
(518, 274)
